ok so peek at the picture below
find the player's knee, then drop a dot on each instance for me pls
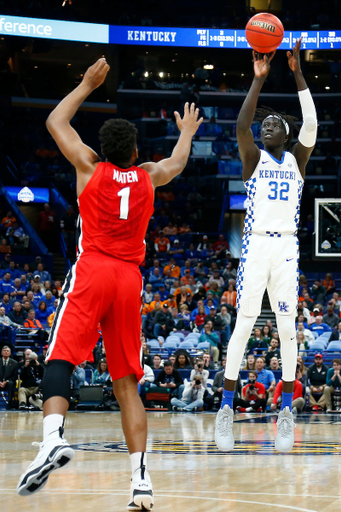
(56, 381)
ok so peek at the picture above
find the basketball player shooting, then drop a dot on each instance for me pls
(104, 285)
(273, 180)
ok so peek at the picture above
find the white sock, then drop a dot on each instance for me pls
(248, 409)
(52, 423)
(137, 460)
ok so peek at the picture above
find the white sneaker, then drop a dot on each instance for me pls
(223, 429)
(285, 431)
(141, 491)
(53, 454)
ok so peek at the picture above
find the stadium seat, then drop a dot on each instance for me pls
(204, 345)
(334, 346)
(194, 341)
(170, 345)
(153, 344)
(173, 339)
(315, 334)
(179, 335)
(186, 345)
(317, 345)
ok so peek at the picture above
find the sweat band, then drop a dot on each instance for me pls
(308, 131)
(286, 126)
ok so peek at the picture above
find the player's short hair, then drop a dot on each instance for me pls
(263, 112)
(118, 140)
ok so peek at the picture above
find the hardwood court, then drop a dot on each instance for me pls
(188, 473)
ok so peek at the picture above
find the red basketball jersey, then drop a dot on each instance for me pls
(114, 212)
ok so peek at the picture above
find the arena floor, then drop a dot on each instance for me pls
(188, 473)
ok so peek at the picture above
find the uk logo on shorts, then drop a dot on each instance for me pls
(283, 307)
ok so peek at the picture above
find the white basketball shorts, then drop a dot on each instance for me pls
(268, 261)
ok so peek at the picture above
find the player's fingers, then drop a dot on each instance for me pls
(254, 55)
(289, 55)
(192, 108)
(271, 55)
(196, 113)
(200, 121)
(177, 116)
(186, 109)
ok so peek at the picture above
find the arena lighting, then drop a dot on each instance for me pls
(208, 66)
(161, 74)
(146, 74)
(327, 87)
(155, 36)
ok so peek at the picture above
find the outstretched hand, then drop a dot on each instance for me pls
(190, 121)
(261, 64)
(96, 74)
(294, 57)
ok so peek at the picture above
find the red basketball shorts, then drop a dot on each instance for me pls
(102, 289)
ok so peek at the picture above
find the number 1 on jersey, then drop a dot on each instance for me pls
(124, 204)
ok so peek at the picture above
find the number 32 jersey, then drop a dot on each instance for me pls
(114, 211)
(274, 194)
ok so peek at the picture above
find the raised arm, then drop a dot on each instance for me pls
(308, 133)
(248, 151)
(58, 122)
(164, 171)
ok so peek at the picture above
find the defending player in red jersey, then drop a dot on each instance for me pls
(104, 285)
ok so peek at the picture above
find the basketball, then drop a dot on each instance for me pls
(264, 32)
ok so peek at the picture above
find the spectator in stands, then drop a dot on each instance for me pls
(200, 317)
(225, 317)
(273, 351)
(266, 334)
(146, 356)
(6, 284)
(337, 300)
(148, 294)
(329, 284)
(184, 229)
(24, 283)
(265, 377)
(31, 376)
(297, 399)
(200, 272)
(202, 245)
(216, 278)
(37, 294)
(32, 323)
(181, 295)
(163, 322)
(178, 322)
(101, 376)
(192, 397)
(44, 274)
(20, 235)
(13, 270)
(190, 303)
(27, 305)
(147, 379)
(58, 285)
(273, 365)
(162, 245)
(256, 345)
(49, 299)
(183, 362)
(253, 395)
(333, 381)
(9, 220)
(46, 223)
(319, 326)
(6, 303)
(5, 247)
(156, 279)
(302, 343)
(191, 254)
(187, 267)
(171, 359)
(336, 334)
(8, 374)
(185, 279)
(229, 272)
(157, 300)
(176, 251)
(41, 312)
(42, 357)
(170, 378)
(330, 318)
(170, 231)
(175, 270)
(5, 320)
(208, 364)
(163, 292)
(18, 315)
(212, 338)
(157, 359)
(19, 289)
(250, 362)
(213, 401)
(53, 307)
(307, 333)
(218, 324)
(220, 247)
(318, 292)
(68, 222)
(317, 376)
(231, 295)
(77, 379)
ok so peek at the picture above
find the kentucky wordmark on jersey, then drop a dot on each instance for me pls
(274, 196)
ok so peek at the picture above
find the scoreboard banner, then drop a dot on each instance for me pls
(155, 36)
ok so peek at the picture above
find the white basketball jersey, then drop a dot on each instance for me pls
(274, 195)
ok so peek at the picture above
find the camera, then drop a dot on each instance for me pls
(197, 382)
(298, 367)
(33, 362)
(199, 365)
(251, 382)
